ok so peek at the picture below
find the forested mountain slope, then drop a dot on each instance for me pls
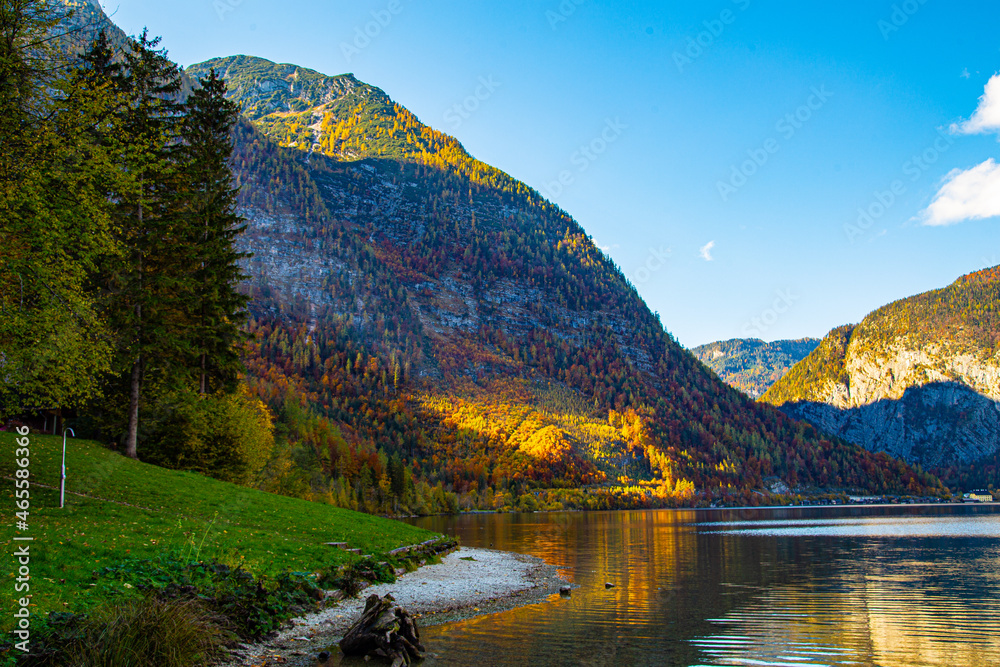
(918, 378)
(750, 364)
(424, 307)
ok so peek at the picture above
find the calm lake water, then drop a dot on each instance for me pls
(889, 586)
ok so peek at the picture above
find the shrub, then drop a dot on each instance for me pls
(375, 571)
(130, 633)
(252, 606)
(225, 436)
(151, 631)
(351, 578)
(346, 579)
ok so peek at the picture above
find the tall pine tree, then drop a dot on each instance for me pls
(146, 281)
(211, 222)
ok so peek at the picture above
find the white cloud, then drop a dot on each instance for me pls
(706, 251)
(972, 194)
(987, 115)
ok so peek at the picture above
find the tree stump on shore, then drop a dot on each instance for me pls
(384, 631)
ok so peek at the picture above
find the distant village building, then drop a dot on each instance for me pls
(979, 496)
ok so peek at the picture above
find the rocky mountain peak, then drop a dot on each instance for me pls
(918, 378)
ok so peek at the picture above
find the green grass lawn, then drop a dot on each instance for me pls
(137, 510)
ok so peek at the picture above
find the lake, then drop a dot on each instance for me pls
(896, 586)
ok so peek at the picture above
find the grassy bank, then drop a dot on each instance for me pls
(130, 511)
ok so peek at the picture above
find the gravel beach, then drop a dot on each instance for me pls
(467, 582)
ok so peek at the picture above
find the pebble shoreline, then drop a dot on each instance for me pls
(455, 589)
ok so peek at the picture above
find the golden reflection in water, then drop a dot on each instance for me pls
(913, 619)
(686, 595)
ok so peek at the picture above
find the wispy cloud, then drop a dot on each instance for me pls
(972, 194)
(987, 115)
(706, 251)
(606, 249)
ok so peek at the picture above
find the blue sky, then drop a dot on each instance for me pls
(721, 152)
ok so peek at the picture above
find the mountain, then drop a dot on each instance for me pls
(750, 364)
(431, 307)
(433, 334)
(918, 378)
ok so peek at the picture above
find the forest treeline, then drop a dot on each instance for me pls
(118, 270)
(752, 365)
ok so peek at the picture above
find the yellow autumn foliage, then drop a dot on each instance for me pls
(549, 443)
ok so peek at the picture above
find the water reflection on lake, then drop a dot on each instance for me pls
(879, 586)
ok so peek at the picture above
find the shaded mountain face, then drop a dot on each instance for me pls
(435, 307)
(750, 364)
(936, 425)
(919, 378)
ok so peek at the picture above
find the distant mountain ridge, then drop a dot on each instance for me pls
(918, 378)
(752, 365)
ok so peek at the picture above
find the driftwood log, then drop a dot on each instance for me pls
(384, 631)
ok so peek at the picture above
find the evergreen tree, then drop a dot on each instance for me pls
(145, 283)
(211, 223)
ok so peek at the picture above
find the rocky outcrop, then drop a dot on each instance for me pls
(875, 377)
(291, 263)
(937, 425)
(919, 379)
(264, 87)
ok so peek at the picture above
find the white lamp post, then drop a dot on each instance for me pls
(62, 482)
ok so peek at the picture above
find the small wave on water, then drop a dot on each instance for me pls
(959, 526)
